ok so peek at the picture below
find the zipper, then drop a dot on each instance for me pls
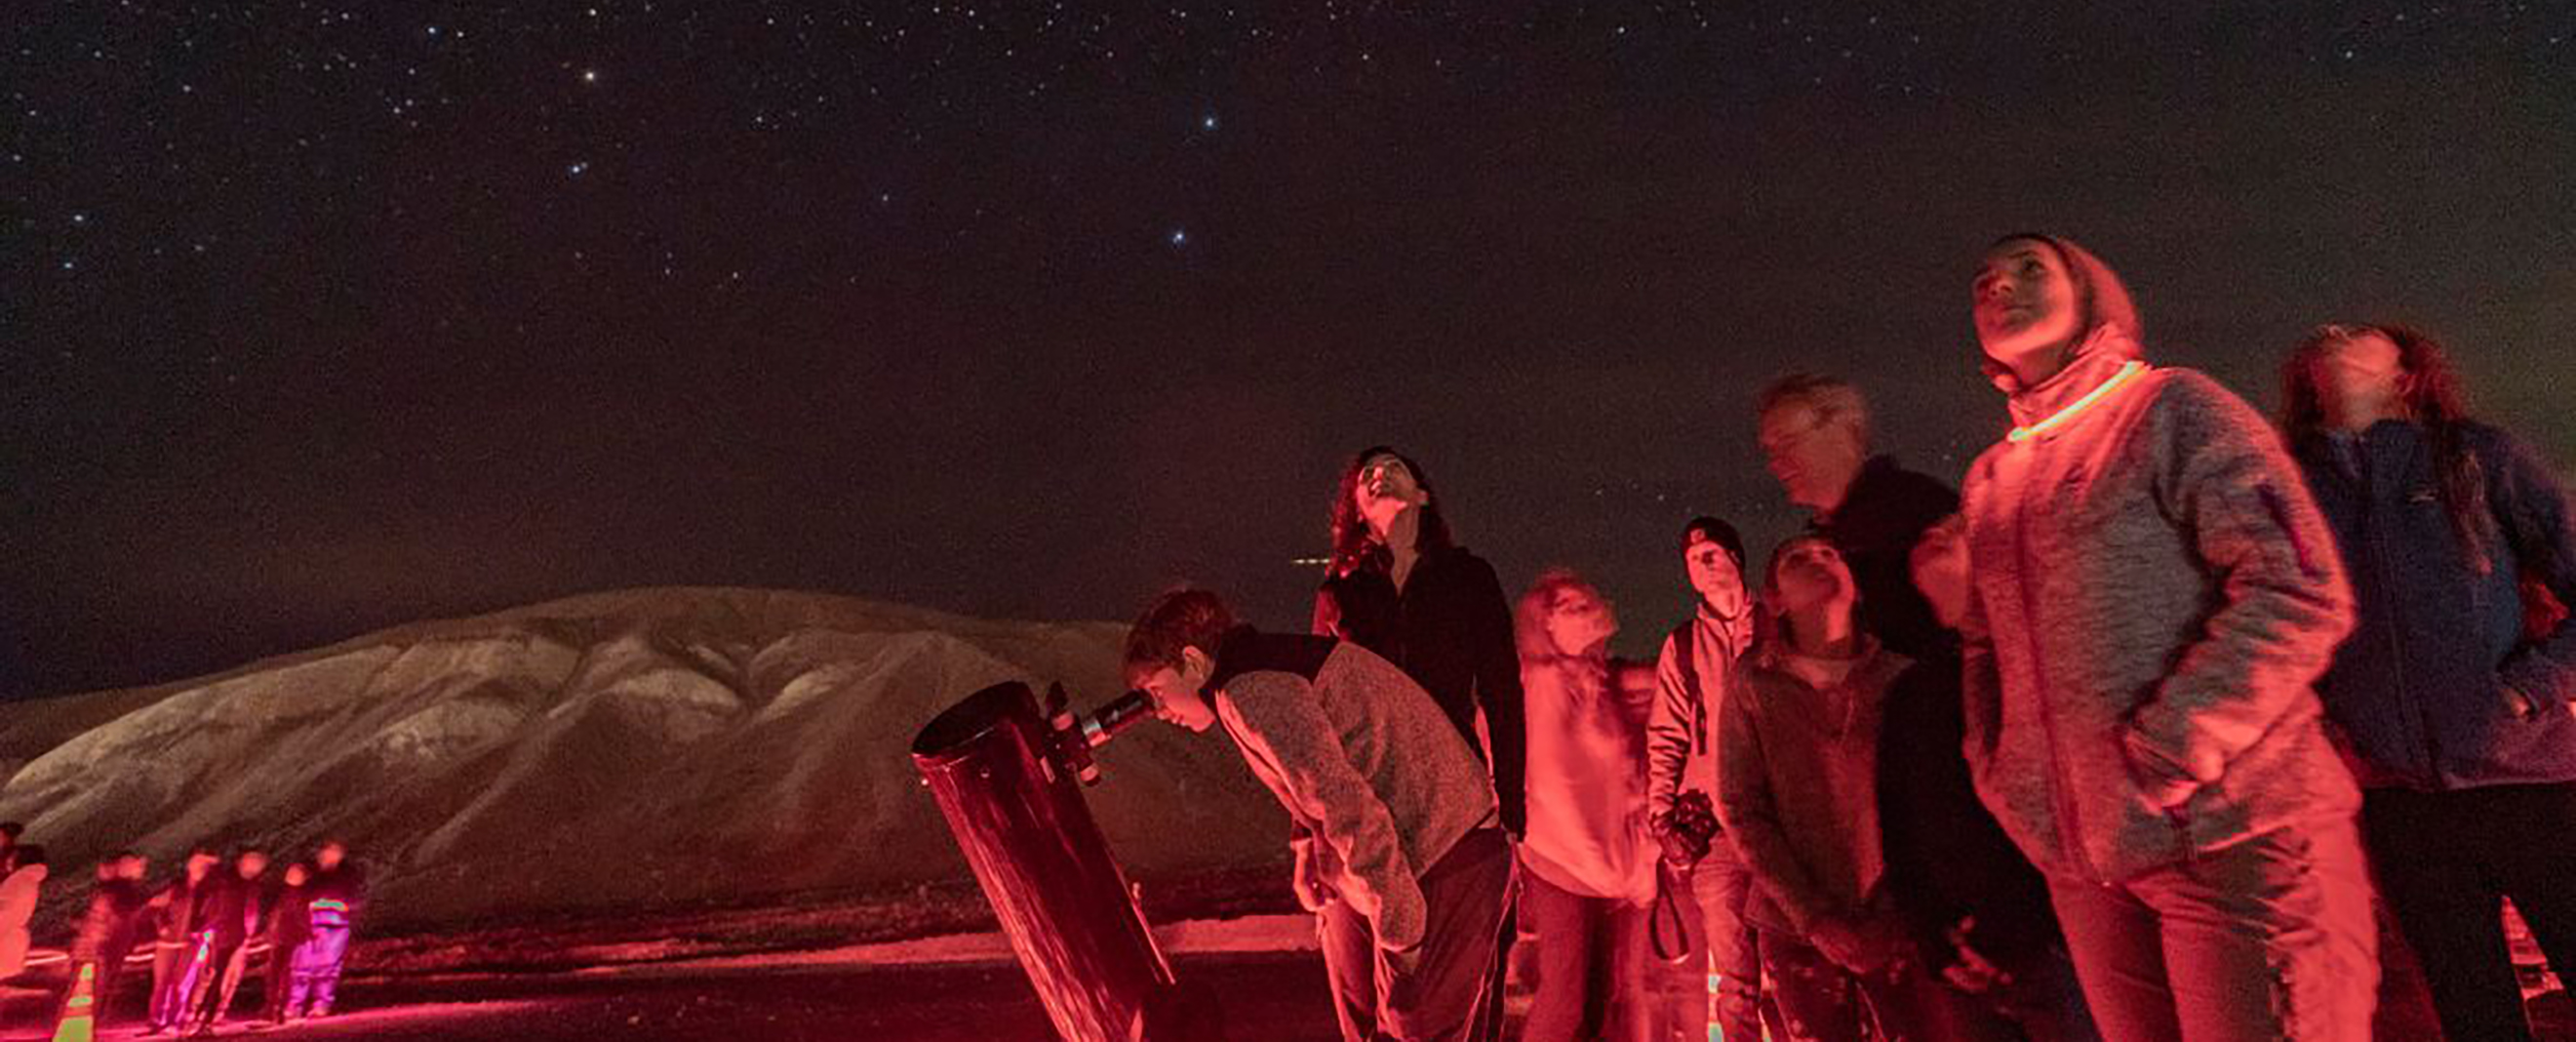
(2068, 832)
(2413, 708)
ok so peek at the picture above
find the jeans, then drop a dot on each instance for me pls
(317, 971)
(2267, 939)
(2446, 861)
(1435, 992)
(1591, 963)
(1721, 887)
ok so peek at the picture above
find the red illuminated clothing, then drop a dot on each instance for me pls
(2153, 592)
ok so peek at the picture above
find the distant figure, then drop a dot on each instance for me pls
(234, 920)
(1815, 437)
(1399, 850)
(1590, 870)
(177, 958)
(17, 904)
(107, 930)
(338, 895)
(290, 921)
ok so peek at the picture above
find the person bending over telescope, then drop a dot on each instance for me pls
(1397, 847)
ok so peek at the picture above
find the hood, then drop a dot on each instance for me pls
(2112, 335)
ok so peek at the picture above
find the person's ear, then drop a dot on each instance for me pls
(1196, 667)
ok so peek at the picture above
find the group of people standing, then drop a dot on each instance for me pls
(2127, 739)
(200, 927)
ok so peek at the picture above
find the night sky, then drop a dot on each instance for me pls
(320, 318)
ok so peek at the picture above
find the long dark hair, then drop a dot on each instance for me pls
(1353, 544)
(2431, 397)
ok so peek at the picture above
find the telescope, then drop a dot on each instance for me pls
(1008, 775)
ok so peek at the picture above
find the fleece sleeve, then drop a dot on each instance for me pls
(1286, 735)
(2281, 603)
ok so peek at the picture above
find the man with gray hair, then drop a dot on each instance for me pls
(1815, 438)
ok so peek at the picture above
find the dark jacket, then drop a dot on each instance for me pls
(1885, 511)
(107, 929)
(182, 907)
(232, 909)
(1946, 857)
(1451, 631)
(2419, 693)
(290, 916)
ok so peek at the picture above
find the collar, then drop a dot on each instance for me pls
(2107, 362)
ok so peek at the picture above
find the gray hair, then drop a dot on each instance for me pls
(1833, 398)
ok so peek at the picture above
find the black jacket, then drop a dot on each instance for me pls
(2417, 693)
(1451, 631)
(1947, 858)
(1885, 511)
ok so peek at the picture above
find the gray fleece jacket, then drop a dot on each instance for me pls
(2153, 596)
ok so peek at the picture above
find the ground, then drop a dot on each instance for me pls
(958, 1002)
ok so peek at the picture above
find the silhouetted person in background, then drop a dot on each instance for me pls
(290, 921)
(1979, 911)
(2455, 721)
(177, 956)
(107, 930)
(233, 921)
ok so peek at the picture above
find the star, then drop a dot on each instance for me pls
(577, 168)
(1208, 122)
(1180, 237)
(590, 75)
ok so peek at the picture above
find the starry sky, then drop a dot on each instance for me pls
(316, 318)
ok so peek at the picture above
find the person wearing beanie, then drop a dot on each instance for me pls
(1691, 673)
(2152, 595)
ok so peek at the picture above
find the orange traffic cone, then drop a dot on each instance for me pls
(80, 1008)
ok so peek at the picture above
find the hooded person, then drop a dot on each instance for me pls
(2153, 595)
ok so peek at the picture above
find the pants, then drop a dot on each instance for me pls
(102, 973)
(2268, 939)
(1591, 966)
(317, 971)
(2446, 861)
(1437, 998)
(1721, 887)
(213, 994)
(1822, 1002)
(276, 978)
(176, 965)
(2045, 1000)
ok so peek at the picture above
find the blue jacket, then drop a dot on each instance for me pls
(2419, 692)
